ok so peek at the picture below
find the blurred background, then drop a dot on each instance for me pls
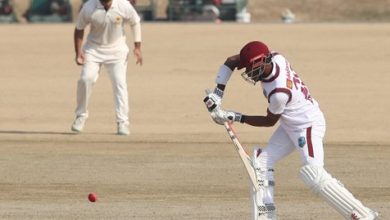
(243, 11)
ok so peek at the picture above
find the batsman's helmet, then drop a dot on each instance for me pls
(253, 56)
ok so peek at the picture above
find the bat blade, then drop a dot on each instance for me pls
(243, 155)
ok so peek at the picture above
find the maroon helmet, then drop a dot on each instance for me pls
(253, 56)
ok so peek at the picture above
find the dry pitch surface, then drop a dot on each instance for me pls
(177, 164)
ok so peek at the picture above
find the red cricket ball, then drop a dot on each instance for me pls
(92, 197)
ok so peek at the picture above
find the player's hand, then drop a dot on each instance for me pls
(80, 59)
(221, 116)
(213, 99)
(138, 55)
(218, 116)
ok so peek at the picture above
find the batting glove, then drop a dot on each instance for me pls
(234, 116)
(213, 100)
(221, 116)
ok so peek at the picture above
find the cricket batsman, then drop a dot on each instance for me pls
(302, 128)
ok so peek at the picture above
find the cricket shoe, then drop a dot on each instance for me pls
(79, 123)
(123, 129)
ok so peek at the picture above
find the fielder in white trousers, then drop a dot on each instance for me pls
(117, 70)
(105, 46)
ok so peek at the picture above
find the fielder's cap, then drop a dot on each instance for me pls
(250, 51)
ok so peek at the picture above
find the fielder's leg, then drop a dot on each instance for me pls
(335, 194)
(88, 78)
(117, 72)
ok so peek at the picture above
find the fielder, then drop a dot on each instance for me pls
(105, 45)
(302, 128)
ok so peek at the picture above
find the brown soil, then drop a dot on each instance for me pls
(177, 164)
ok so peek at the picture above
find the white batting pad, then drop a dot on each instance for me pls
(263, 207)
(334, 193)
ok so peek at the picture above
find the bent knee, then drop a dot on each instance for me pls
(315, 177)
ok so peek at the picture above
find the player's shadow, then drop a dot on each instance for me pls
(36, 132)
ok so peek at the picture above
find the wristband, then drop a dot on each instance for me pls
(223, 75)
(218, 92)
(237, 117)
(242, 120)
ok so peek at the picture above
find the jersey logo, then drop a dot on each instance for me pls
(118, 20)
(289, 84)
(301, 142)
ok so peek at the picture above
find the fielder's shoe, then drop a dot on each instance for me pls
(123, 129)
(79, 123)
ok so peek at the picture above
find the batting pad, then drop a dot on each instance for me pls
(263, 207)
(334, 193)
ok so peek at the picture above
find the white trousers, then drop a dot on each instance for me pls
(117, 71)
(308, 142)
